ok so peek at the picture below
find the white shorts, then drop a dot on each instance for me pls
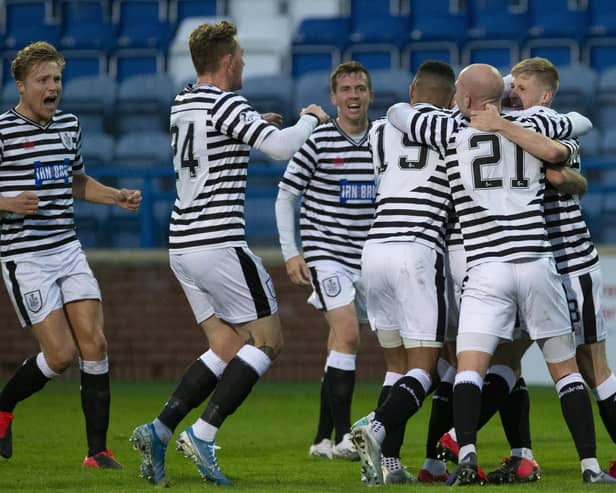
(230, 283)
(334, 286)
(39, 285)
(584, 296)
(495, 291)
(455, 268)
(405, 290)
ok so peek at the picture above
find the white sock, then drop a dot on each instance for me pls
(467, 449)
(524, 453)
(434, 466)
(592, 464)
(204, 431)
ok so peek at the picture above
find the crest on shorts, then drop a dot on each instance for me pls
(67, 140)
(34, 300)
(331, 286)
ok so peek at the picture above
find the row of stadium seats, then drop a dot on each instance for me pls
(141, 103)
(121, 38)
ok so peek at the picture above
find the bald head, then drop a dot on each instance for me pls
(477, 85)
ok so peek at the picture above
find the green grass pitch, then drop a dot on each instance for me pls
(264, 445)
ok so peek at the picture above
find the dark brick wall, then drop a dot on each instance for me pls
(152, 333)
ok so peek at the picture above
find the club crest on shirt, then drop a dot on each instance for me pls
(331, 286)
(67, 140)
(249, 116)
(34, 300)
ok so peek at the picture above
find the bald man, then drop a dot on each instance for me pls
(497, 189)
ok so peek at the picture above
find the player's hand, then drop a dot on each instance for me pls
(273, 118)
(316, 110)
(129, 199)
(25, 203)
(298, 272)
(486, 120)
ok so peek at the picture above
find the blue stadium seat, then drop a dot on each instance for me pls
(590, 145)
(391, 29)
(390, 87)
(246, 10)
(90, 220)
(437, 20)
(124, 64)
(97, 150)
(606, 101)
(271, 93)
(10, 96)
(142, 24)
(576, 90)
(497, 19)
(25, 21)
(600, 53)
(558, 19)
(299, 10)
(497, 52)
(374, 56)
(602, 18)
(143, 149)
(318, 44)
(560, 51)
(83, 63)
(182, 9)
(313, 88)
(417, 53)
(313, 58)
(7, 59)
(91, 99)
(86, 25)
(608, 143)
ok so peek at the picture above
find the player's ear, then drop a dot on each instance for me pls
(20, 86)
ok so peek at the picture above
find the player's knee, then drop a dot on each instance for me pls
(59, 360)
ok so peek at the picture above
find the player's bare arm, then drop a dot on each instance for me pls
(490, 120)
(566, 179)
(25, 203)
(88, 189)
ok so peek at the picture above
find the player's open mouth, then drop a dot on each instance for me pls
(50, 101)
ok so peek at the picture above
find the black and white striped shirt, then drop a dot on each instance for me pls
(413, 194)
(211, 134)
(335, 177)
(572, 246)
(497, 187)
(39, 159)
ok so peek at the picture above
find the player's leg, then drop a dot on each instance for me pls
(322, 445)
(86, 320)
(37, 300)
(341, 376)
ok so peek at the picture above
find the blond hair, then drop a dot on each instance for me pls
(32, 55)
(208, 43)
(541, 68)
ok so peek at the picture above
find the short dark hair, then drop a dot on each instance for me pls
(208, 43)
(32, 55)
(351, 67)
(439, 73)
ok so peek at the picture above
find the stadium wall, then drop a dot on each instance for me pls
(152, 334)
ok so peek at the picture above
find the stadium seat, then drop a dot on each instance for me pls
(247, 10)
(374, 56)
(124, 64)
(10, 96)
(313, 58)
(91, 99)
(602, 18)
(90, 221)
(7, 58)
(271, 94)
(262, 63)
(437, 20)
(265, 41)
(86, 25)
(497, 52)
(608, 143)
(318, 44)
(390, 87)
(560, 51)
(417, 53)
(576, 89)
(97, 150)
(183, 9)
(600, 53)
(498, 19)
(26, 21)
(142, 104)
(313, 88)
(606, 101)
(298, 10)
(83, 63)
(558, 19)
(380, 29)
(590, 145)
(142, 24)
(143, 150)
